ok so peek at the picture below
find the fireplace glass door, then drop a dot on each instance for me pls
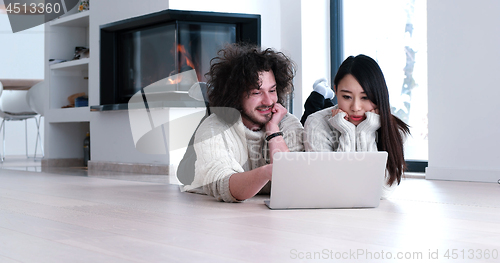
(147, 55)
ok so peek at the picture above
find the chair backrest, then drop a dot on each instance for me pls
(14, 101)
(1, 88)
(35, 98)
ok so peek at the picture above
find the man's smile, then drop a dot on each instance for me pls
(264, 110)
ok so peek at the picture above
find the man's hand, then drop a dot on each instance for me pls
(278, 112)
(247, 184)
(277, 144)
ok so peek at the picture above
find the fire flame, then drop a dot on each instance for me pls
(174, 79)
(185, 60)
(187, 57)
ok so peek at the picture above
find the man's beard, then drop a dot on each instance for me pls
(253, 119)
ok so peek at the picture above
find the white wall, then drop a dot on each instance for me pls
(291, 45)
(315, 37)
(463, 57)
(22, 54)
(22, 57)
(305, 37)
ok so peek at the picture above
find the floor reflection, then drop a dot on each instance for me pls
(21, 163)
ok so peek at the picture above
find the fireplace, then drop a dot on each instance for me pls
(140, 51)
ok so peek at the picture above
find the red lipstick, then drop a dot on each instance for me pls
(356, 118)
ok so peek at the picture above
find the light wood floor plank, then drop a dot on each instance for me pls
(67, 217)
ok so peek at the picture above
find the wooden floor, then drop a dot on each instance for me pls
(70, 216)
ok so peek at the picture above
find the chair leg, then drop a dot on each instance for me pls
(2, 128)
(41, 141)
(38, 122)
(26, 136)
(36, 141)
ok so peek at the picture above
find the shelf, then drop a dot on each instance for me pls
(75, 20)
(79, 114)
(73, 64)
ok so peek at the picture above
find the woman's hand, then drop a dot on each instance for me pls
(337, 111)
(366, 132)
(340, 122)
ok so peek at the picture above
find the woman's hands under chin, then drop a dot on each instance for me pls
(337, 111)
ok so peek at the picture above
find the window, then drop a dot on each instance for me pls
(393, 32)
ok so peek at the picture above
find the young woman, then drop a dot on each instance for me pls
(362, 119)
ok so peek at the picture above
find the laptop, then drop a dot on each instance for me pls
(327, 180)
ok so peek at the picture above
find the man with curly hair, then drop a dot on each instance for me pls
(247, 87)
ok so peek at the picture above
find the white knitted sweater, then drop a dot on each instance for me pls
(223, 150)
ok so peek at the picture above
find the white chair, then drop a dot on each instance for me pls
(14, 107)
(35, 101)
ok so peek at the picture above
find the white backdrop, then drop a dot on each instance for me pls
(464, 57)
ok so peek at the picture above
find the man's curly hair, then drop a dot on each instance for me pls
(235, 71)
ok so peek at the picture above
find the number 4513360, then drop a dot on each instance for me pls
(471, 254)
(41, 8)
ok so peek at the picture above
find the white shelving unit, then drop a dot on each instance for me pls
(80, 64)
(79, 114)
(66, 127)
(74, 20)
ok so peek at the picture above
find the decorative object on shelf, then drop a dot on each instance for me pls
(81, 52)
(86, 149)
(84, 6)
(82, 101)
(72, 99)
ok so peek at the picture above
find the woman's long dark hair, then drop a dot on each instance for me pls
(390, 135)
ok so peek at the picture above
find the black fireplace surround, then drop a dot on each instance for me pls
(139, 51)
